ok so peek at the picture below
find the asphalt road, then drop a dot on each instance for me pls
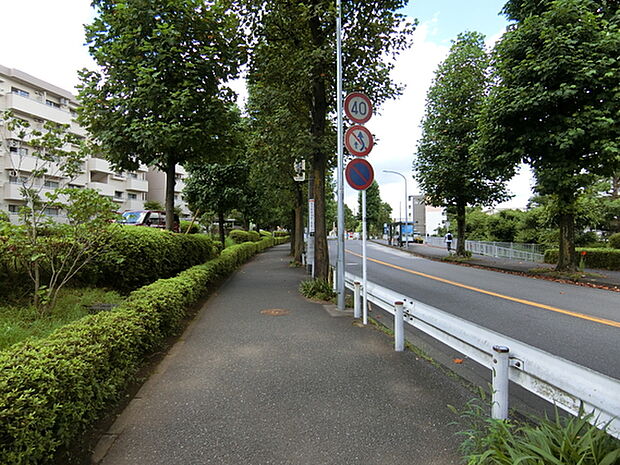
(588, 335)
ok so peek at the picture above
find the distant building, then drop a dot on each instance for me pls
(38, 101)
(157, 187)
(426, 219)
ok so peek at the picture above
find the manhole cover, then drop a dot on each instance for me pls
(275, 312)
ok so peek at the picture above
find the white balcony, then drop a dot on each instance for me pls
(12, 192)
(36, 108)
(103, 189)
(133, 204)
(139, 185)
(98, 164)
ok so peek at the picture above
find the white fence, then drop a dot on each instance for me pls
(550, 377)
(509, 250)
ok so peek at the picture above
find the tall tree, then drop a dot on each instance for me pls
(294, 54)
(377, 211)
(159, 98)
(555, 103)
(446, 171)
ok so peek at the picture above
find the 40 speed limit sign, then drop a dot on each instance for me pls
(357, 107)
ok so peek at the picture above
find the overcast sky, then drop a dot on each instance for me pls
(45, 38)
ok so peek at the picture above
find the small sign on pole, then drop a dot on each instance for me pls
(359, 174)
(358, 141)
(357, 107)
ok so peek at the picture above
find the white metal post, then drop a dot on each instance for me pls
(501, 364)
(364, 272)
(357, 311)
(340, 169)
(399, 327)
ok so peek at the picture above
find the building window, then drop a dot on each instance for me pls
(133, 175)
(21, 151)
(17, 179)
(51, 184)
(118, 195)
(131, 196)
(21, 92)
(74, 186)
(51, 211)
(49, 103)
(13, 208)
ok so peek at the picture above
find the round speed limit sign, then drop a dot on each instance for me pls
(357, 107)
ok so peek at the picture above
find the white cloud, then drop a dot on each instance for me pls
(45, 38)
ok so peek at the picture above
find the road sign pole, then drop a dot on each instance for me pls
(364, 273)
(340, 169)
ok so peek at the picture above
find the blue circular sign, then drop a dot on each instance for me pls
(359, 174)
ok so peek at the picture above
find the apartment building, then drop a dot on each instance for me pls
(157, 188)
(37, 101)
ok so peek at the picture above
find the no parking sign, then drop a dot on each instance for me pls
(359, 174)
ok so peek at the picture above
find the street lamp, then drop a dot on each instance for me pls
(406, 209)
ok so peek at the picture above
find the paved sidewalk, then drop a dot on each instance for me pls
(605, 278)
(305, 387)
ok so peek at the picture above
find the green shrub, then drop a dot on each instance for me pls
(567, 441)
(614, 241)
(264, 233)
(598, 258)
(194, 228)
(54, 389)
(140, 255)
(280, 233)
(239, 236)
(316, 289)
(254, 236)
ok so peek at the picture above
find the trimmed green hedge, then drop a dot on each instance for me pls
(53, 389)
(603, 259)
(614, 241)
(194, 228)
(139, 255)
(280, 233)
(239, 236)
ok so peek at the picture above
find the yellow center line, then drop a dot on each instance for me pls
(495, 294)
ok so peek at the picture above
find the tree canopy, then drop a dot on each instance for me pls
(160, 97)
(555, 103)
(448, 174)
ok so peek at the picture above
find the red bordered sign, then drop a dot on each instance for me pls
(358, 141)
(358, 107)
(359, 174)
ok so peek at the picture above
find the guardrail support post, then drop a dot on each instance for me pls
(357, 311)
(501, 364)
(399, 327)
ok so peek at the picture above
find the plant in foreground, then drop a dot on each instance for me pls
(565, 440)
(318, 289)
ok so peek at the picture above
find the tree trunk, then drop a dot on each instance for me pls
(298, 238)
(293, 233)
(566, 257)
(170, 183)
(222, 228)
(460, 228)
(318, 101)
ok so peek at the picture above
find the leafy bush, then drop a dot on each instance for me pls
(280, 233)
(139, 255)
(239, 236)
(53, 389)
(599, 258)
(264, 233)
(194, 228)
(614, 241)
(316, 289)
(566, 441)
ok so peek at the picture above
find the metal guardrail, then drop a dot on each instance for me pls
(559, 381)
(509, 250)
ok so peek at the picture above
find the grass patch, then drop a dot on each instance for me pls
(534, 441)
(21, 322)
(317, 289)
(572, 275)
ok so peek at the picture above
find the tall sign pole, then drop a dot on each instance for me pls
(340, 170)
(364, 262)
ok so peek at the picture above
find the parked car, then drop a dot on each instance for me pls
(150, 218)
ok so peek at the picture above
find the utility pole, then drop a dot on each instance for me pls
(340, 169)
